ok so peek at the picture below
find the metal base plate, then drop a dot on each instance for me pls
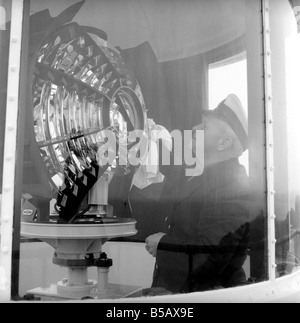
(64, 288)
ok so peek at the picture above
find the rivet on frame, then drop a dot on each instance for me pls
(5, 219)
(5, 250)
(3, 282)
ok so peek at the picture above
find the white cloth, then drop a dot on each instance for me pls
(148, 173)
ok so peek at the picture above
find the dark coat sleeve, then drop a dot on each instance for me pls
(212, 233)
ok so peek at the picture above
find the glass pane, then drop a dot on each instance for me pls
(137, 183)
(285, 51)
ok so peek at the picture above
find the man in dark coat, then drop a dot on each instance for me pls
(205, 244)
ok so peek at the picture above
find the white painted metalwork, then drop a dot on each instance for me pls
(10, 150)
(109, 230)
(269, 139)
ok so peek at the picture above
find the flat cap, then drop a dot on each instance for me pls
(231, 111)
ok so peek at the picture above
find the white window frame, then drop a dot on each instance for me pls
(10, 150)
(269, 139)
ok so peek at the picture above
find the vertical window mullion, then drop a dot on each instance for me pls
(269, 139)
(10, 150)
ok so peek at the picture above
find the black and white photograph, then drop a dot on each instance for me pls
(149, 154)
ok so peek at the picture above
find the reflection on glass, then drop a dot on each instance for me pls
(285, 47)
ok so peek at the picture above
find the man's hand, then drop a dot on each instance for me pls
(152, 243)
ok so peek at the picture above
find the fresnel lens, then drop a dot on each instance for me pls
(81, 87)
